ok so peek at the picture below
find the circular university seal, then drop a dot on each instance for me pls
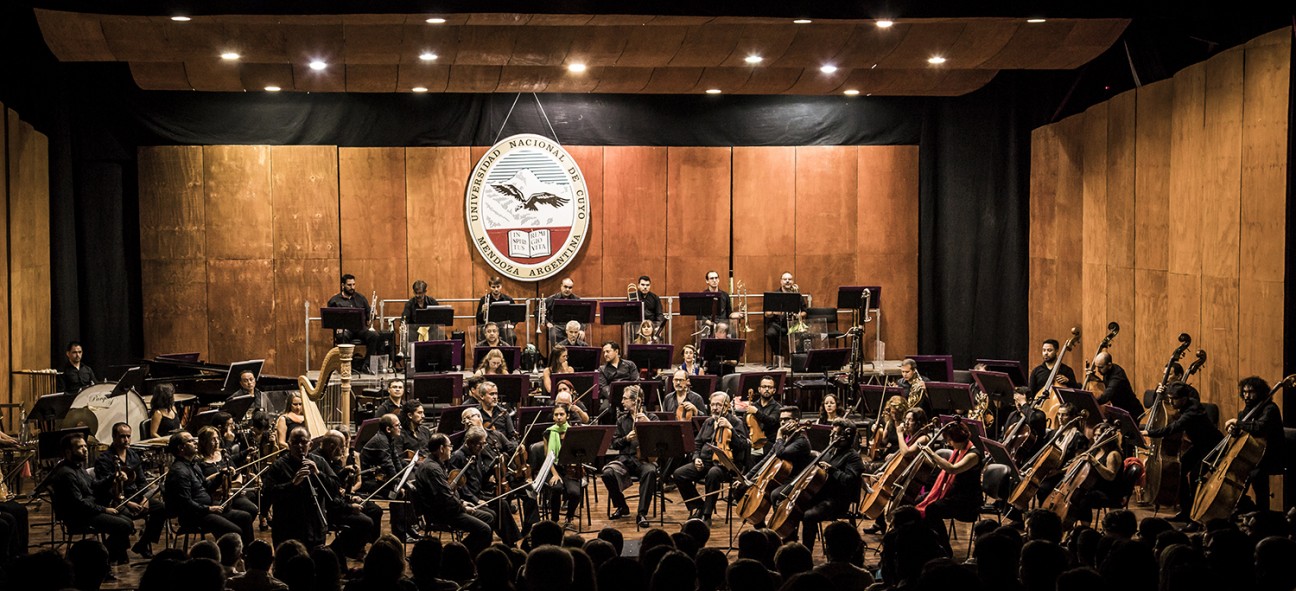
(527, 207)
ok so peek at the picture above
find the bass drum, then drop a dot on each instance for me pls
(111, 410)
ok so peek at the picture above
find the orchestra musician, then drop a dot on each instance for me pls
(614, 368)
(218, 471)
(765, 411)
(395, 398)
(163, 417)
(617, 474)
(1066, 377)
(13, 516)
(491, 336)
(647, 334)
(790, 445)
(493, 296)
(1073, 441)
(829, 410)
(420, 301)
(247, 387)
(414, 432)
(562, 482)
(725, 308)
(1116, 385)
(437, 502)
(119, 478)
(492, 364)
(1200, 431)
(845, 469)
(1265, 424)
(557, 333)
(74, 500)
(683, 396)
(293, 416)
(574, 336)
(474, 463)
(348, 298)
(776, 323)
(914, 385)
(1036, 421)
(690, 365)
(75, 376)
(906, 438)
(346, 465)
(1174, 373)
(575, 410)
(494, 415)
(382, 454)
(705, 467)
(499, 443)
(557, 364)
(298, 486)
(652, 310)
(187, 498)
(1106, 462)
(957, 491)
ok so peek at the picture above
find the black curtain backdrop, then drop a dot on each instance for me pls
(974, 166)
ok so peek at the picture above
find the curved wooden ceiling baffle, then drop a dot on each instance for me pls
(530, 53)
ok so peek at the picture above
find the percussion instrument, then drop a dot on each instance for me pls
(110, 410)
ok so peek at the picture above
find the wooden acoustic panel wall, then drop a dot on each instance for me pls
(256, 231)
(1164, 209)
(25, 261)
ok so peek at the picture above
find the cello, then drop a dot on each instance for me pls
(1045, 400)
(1226, 469)
(1079, 478)
(886, 483)
(1161, 480)
(1045, 462)
(801, 493)
(773, 473)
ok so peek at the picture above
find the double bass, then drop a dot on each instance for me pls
(1162, 469)
(1093, 379)
(1045, 400)
(1226, 469)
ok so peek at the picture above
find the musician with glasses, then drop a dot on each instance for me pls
(119, 478)
(705, 466)
(573, 335)
(683, 395)
(628, 463)
(1262, 419)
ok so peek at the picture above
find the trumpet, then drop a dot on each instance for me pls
(540, 315)
(486, 307)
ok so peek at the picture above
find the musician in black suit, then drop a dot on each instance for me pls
(1116, 385)
(1261, 418)
(299, 485)
(120, 469)
(1040, 373)
(476, 463)
(1201, 433)
(617, 473)
(382, 453)
(705, 466)
(436, 501)
(348, 298)
(187, 498)
(844, 469)
(557, 332)
(75, 376)
(75, 504)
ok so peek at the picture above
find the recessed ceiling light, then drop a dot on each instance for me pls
(884, 23)
(936, 60)
(1036, 21)
(436, 20)
(850, 92)
(318, 65)
(273, 89)
(827, 68)
(229, 55)
(419, 89)
(576, 67)
(180, 18)
(427, 56)
(713, 91)
(753, 59)
(802, 21)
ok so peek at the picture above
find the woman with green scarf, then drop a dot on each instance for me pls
(564, 483)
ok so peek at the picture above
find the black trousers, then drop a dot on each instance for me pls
(824, 510)
(154, 516)
(117, 530)
(229, 521)
(686, 478)
(617, 476)
(567, 492)
(355, 528)
(13, 530)
(475, 525)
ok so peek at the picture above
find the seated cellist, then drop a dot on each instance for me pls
(957, 491)
(1201, 433)
(842, 462)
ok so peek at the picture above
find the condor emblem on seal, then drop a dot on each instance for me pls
(527, 207)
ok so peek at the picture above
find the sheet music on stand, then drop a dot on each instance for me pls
(548, 464)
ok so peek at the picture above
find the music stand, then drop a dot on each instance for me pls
(132, 380)
(950, 397)
(786, 302)
(352, 319)
(704, 304)
(443, 389)
(851, 297)
(819, 436)
(236, 369)
(202, 419)
(997, 452)
(512, 387)
(826, 361)
(537, 434)
(700, 384)
(526, 414)
(448, 421)
(998, 385)
(238, 406)
(935, 367)
(975, 426)
(565, 311)
(665, 440)
(368, 428)
(651, 396)
(874, 396)
(1128, 427)
(437, 356)
(583, 445)
(649, 358)
(581, 380)
(51, 407)
(717, 351)
(512, 355)
(618, 313)
(751, 381)
(1082, 400)
(513, 313)
(584, 359)
(1012, 367)
(433, 315)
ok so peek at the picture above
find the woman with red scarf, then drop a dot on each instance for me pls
(957, 491)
